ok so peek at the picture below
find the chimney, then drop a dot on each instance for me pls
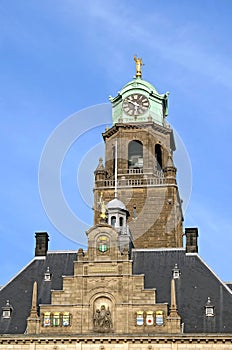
(191, 234)
(41, 247)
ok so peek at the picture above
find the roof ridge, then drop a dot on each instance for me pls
(61, 251)
(157, 249)
(209, 268)
(24, 268)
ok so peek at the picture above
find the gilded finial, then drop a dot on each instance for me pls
(139, 64)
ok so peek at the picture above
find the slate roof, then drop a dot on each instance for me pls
(19, 290)
(196, 283)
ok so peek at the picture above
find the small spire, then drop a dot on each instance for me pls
(173, 307)
(100, 164)
(170, 161)
(33, 319)
(139, 64)
(33, 312)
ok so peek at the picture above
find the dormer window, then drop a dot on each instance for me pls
(176, 272)
(209, 308)
(7, 310)
(47, 275)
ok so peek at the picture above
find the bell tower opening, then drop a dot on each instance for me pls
(158, 157)
(135, 156)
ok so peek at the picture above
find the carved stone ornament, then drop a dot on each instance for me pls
(102, 321)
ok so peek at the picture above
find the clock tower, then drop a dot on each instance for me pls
(139, 151)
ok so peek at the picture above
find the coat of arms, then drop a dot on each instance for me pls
(149, 318)
(139, 318)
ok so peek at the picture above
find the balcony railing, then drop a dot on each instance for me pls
(151, 181)
(135, 171)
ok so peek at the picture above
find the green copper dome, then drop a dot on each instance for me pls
(139, 101)
(141, 84)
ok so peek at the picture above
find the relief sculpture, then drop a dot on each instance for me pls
(102, 319)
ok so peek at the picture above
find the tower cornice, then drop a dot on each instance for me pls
(140, 125)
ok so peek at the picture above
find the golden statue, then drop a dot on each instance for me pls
(139, 64)
(103, 208)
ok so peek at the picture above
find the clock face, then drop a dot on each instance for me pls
(135, 104)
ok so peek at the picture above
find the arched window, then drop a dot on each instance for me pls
(135, 155)
(113, 221)
(120, 221)
(158, 157)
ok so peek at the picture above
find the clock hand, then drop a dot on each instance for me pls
(136, 104)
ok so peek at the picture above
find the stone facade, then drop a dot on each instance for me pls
(102, 303)
(104, 296)
(196, 342)
(151, 196)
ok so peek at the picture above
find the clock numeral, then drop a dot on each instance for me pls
(145, 103)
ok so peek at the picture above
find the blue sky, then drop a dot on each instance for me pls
(58, 57)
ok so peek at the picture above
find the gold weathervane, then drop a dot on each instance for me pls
(139, 64)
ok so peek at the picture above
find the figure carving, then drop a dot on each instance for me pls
(102, 319)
